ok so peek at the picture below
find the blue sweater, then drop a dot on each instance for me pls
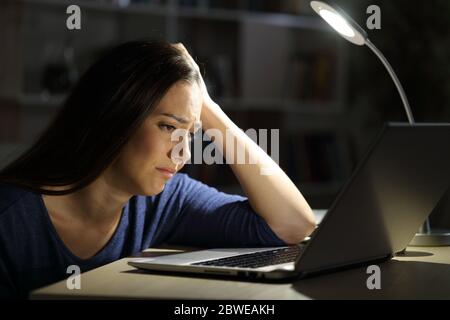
(187, 212)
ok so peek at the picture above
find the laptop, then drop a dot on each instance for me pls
(393, 189)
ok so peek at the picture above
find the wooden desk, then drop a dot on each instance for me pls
(421, 274)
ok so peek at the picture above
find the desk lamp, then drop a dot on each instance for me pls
(351, 31)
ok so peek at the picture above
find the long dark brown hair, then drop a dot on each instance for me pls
(107, 105)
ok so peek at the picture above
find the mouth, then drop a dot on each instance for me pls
(167, 172)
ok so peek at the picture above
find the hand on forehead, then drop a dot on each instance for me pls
(183, 49)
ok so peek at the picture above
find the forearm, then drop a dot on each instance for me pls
(272, 196)
(270, 191)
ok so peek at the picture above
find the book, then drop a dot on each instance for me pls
(310, 76)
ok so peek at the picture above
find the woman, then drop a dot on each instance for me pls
(101, 184)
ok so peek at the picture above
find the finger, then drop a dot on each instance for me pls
(179, 45)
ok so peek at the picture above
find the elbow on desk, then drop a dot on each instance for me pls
(294, 233)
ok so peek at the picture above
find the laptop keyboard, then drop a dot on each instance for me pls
(256, 259)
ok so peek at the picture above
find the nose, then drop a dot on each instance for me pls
(181, 152)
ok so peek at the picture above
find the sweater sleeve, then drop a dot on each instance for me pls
(210, 218)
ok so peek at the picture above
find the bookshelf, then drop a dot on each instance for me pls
(269, 64)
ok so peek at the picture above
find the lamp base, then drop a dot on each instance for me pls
(431, 239)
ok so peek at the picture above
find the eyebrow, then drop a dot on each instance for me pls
(178, 118)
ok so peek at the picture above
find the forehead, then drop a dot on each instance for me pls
(183, 99)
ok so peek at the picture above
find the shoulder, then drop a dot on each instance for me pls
(12, 197)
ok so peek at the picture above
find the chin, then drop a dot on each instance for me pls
(154, 189)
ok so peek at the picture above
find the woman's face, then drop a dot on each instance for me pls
(138, 167)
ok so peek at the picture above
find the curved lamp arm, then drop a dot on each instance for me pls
(394, 78)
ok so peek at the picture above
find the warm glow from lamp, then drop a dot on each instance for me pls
(337, 22)
(340, 22)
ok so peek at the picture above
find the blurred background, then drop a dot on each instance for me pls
(269, 64)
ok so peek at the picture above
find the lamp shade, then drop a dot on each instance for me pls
(340, 22)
